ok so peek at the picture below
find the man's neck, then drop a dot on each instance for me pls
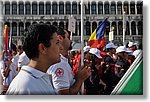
(64, 53)
(39, 65)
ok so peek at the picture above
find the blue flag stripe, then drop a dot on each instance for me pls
(100, 30)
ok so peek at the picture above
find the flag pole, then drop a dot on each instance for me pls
(82, 41)
(123, 27)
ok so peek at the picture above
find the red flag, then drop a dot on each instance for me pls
(6, 38)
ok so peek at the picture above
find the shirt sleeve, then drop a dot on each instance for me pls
(60, 77)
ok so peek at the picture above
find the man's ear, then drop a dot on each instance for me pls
(42, 48)
(60, 38)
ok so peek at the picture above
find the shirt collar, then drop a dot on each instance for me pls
(64, 58)
(36, 73)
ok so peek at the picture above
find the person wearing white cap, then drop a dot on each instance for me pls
(108, 65)
(86, 48)
(132, 46)
(92, 83)
(138, 51)
(121, 65)
(129, 56)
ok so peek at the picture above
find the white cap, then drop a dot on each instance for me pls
(96, 52)
(86, 48)
(131, 44)
(121, 49)
(129, 51)
(110, 45)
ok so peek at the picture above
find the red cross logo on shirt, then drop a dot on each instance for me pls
(59, 72)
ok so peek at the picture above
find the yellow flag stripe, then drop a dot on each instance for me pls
(5, 31)
(93, 36)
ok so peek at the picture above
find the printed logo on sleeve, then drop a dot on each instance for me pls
(59, 72)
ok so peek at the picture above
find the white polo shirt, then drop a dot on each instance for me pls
(23, 60)
(62, 75)
(31, 81)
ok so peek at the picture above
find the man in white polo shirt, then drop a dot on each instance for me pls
(42, 48)
(23, 60)
(63, 78)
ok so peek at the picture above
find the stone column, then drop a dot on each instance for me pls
(103, 7)
(17, 28)
(64, 7)
(129, 8)
(130, 28)
(136, 25)
(116, 27)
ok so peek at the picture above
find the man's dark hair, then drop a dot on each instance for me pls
(36, 34)
(20, 47)
(60, 31)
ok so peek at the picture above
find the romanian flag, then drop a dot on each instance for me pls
(6, 38)
(97, 38)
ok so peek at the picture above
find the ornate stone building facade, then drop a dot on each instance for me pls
(18, 15)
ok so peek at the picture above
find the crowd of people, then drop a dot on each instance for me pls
(42, 65)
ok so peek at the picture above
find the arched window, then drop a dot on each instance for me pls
(139, 7)
(127, 32)
(7, 8)
(41, 8)
(113, 8)
(99, 23)
(106, 7)
(133, 28)
(94, 26)
(140, 28)
(14, 29)
(79, 7)
(27, 8)
(21, 8)
(34, 22)
(54, 8)
(132, 7)
(61, 8)
(115, 28)
(66, 25)
(93, 8)
(55, 23)
(41, 22)
(14, 7)
(100, 7)
(126, 7)
(48, 23)
(119, 7)
(76, 30)
(34, 8)
(107, 30)
(79, 28)
(88, 28)
(21, 28)
(74, 8)
(48, 8)
(27, 24)
(87, 8)
(68, 8)
(61, 24)
(120, 28)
